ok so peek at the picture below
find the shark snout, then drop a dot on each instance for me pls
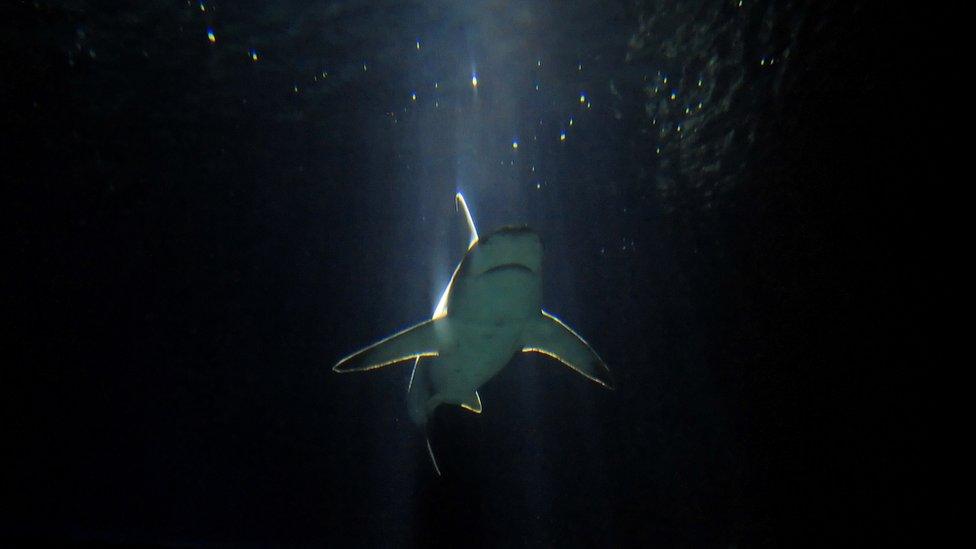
(509, 248)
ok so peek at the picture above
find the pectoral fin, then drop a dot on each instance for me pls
(416, 341)
(472, 403)
(549, 336)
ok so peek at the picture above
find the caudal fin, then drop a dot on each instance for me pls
(433, 460)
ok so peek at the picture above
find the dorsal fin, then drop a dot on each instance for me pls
(461, 205)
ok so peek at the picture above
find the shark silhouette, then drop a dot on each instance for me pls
(490, 310)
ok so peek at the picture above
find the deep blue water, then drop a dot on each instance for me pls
(199, 228)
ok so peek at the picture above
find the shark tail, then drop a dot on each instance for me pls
(418, 395)
(430, 451)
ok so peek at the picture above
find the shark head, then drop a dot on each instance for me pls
(508, 248)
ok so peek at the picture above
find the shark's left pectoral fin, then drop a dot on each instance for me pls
(549, 336)
(416, 341)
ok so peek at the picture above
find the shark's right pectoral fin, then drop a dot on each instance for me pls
(416, 341)
(549, 336)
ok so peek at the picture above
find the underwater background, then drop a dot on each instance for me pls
(210, 203)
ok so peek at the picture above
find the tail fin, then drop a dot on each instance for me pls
(430, 451)
(418, 392)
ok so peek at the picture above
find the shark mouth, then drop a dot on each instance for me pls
(507, 267)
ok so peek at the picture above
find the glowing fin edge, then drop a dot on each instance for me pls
(476, 409)
(459, 204)
(560, 359)
(599, 382)
(433, 460)
(338, 367)
(459, 201)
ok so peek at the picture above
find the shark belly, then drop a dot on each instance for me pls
(487, 313)
(479, 351)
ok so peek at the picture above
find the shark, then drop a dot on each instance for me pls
(490, 311)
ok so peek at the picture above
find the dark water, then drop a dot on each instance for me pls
(198, 230)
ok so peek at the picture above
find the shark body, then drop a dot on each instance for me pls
(491, 310)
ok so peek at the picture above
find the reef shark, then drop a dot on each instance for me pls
(490, 310)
